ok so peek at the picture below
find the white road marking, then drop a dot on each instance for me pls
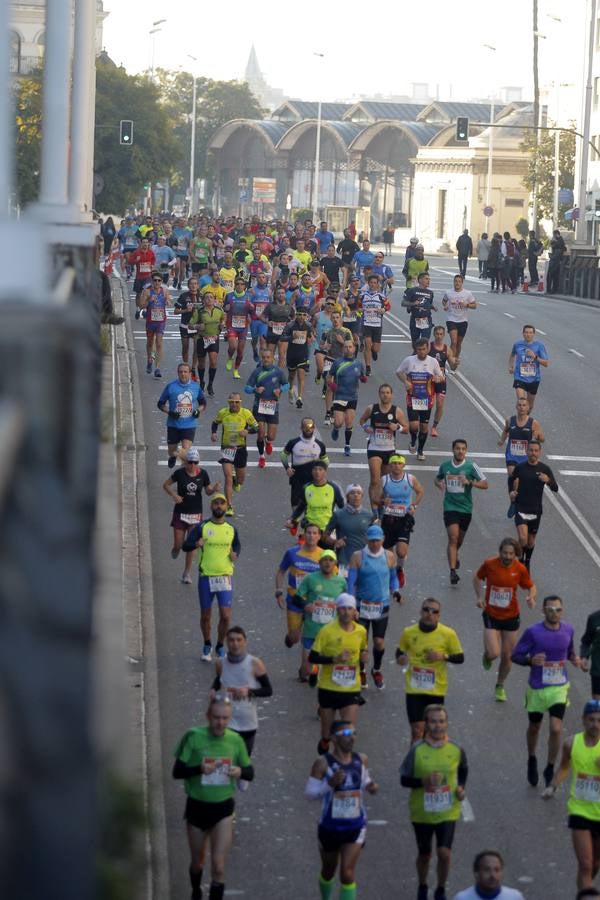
(509, 315)
(576, 353)
(576, 472)
(539, 331)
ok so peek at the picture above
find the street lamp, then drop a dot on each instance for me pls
(488, 186)
(315, 198)
(193, 141)
(154, 31)
(587, 111)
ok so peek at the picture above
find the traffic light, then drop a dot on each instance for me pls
(462, 129)
(126, 132)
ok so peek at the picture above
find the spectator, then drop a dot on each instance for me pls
(464, 246)
(483, 252)
(388, 238)
(558, 248)
(494, 264)
(108, 232)
(411, 250)
(534, 250)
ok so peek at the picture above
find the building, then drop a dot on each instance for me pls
(266, 95)
(27, 35)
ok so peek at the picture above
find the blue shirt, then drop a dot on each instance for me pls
(163, 254)
(346, 373)
(526, 368)
(325, 238)
(363, 258)
(270, 379)
(182, 398)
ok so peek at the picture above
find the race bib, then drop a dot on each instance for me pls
(587, 787)
(299, 337)
(238, 321)
(267, 407)
(394, 509)
(184, 410)
(370, 609)
(422, 322)
(438, 800)
(500, 597)
(454, 484)
(422, 679)
(553, 673)
(190, 329)
(518, 448)
(327, 364)
(157, 314)
(349, 318)
(323, 612)
(527, 370)
(420, 403)
(209, 340)
(277, 327)
(371, 319)
(384, 439)
(344, 676)
(220, 776)
(191, 518)
(218, 583)
(145, 268)
(345, 805)
(228, 453)
(259, 308)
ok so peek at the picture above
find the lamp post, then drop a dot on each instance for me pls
(154, 31)
(193, 142)
(488, 185)
(315, 197)
(580, 231)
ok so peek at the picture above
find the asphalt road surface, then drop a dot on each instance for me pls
(275, 851)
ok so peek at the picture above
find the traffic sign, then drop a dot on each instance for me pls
(565, 196)
(243, 182)
(488, 211)
(243, 195)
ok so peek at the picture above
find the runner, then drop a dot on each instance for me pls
(228, 272)
(338, 650)
(419, 303)
(381, 421)
(373, 307)
(298, 456)
(414, 264)
(443, 353)
(316, 597)
(339, 779)
(276, 316)
(190, 480)
(267, 382)
(220, 545)
(182, 400)
(165, 258)
(524, 363)
(211, 760)
(237, 423)
(589, 652)
(503, 574)
(456, 303)
(424, 651)
(372, 580)
(260, 297)
(144, 260)
(546, 647)
(183, 234)
(436, 771)
(318, 499)
(208, 320)
(351, 309)
(519, 430)
(350, 525)
(419, 373)
(153, 301)
(238, 308)
(184, 306)
(331, 348)
(200, 250)
(581, 759)
(344, 378)
(488, 869)
(297, 563)
(399, 495)
(457, 477)
(298, 336)
(529, 479)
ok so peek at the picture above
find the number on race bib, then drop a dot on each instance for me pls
(238, 321)
(209, 340)
(220, 776)
(277, 327)
(454, 484)
(438, 800)
(527, 370)
(422, 679)
(422, 322)
(157, 314)
(383, 438)
(500, 597)
(299, 337)
(519, 448)
(587, 787)
(553, 673)
(327, 364)
(191, 518)
(217, 583)
(344, 676)
(145, 268)
(228, 453)
(184, 410)
(370, 609)
(419, 403)
(345, 805)
(267, 407)
(394, 509)
(323, 612)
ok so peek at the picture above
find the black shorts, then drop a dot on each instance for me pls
(595, 684)
(331, 841)
(512, 624)
(530, 387)
(418, 415)
(397, 529)
(580, 823)
(338, 699)
(176, 435)
(212, 348)
(248, 738)
(294, 362)
(424, 832)
(453, 517)
(344, 405)
(265, 417)
(533, 525)
(461, 327)
(372, 331)
(557, 711)
(199, 267)
(205, 815)
(274, 338)
(378, 626)
(417, 703)
(352, 326)
(440, 387)
(239, 461)
(384, 455)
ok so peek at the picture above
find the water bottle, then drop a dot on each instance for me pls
(466, 811)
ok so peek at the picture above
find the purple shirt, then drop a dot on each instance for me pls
(558, 647)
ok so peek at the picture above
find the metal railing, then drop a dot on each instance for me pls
(580, 277)
(25, 65)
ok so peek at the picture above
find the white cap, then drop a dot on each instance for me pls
(354, 487)
(192, 455)
(346, 600)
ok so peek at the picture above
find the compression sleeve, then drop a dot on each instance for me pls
(181, 770)
(265, 689)
(351, 580)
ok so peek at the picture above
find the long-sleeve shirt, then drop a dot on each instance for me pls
(590, 642)
(555, 643)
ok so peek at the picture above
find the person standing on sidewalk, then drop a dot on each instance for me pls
(483, 252)
(464, 246)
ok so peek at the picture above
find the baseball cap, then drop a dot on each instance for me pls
(414, 240)
(592, 706)
(346, 600)
(397, 458)
(214, 497)
(328, 554)
(374, 533)
(353, 487)
(193, 455)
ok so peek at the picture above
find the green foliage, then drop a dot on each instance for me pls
(301, 214)
(28, 115)
(121, 854)
(155, 152)
(545, 170)
(522, 227)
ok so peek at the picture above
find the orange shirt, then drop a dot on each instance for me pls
(501, 586)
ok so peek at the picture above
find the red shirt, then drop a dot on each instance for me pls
(501, 586)
(144, 261)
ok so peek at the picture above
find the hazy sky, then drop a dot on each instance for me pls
(379, 53)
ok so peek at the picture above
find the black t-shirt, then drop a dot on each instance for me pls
(347, 248)
(529, 496)
(190, 487)
(331, 266)
(299, 336)
(184, 298)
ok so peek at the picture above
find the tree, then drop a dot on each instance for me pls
(155, 152)
(28, 116)
(545, 169)
(217, 102)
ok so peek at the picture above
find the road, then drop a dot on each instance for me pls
(275, 849)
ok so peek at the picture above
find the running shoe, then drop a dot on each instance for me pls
(229, 365)
(423, 892)
(347, 450)
(500, 693)
(236, 373)
(454, 577)
(207, 653)
(367, 370)
(318, 379)
(268, 448)
(211, 391)
(532, 771)
(174, 553)
(378, 679)
(327, 420)
(440, 893)
(261, 462)
(157, 373)
(412, 449)
(421, 456)
(299, 403)
(171, 462)
(292, 396)
(486, 663)
(220, 651)
(186, 579)
(230, 511)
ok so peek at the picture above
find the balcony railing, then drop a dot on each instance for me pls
(24, 65)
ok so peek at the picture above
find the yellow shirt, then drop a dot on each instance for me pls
(304, 257)
(228, 277)
(233, 423)
(422, 676)
(218, 290)
(331, 641)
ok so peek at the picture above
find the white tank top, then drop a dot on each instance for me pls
(244, 715)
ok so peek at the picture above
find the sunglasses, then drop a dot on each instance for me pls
(555, 609)
(345, 732)
(430, 609)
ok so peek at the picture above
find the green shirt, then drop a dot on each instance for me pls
(209, 321)
(321, 592)
(199, 745)
(440, 804)
(457, 496)
(200, 250)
